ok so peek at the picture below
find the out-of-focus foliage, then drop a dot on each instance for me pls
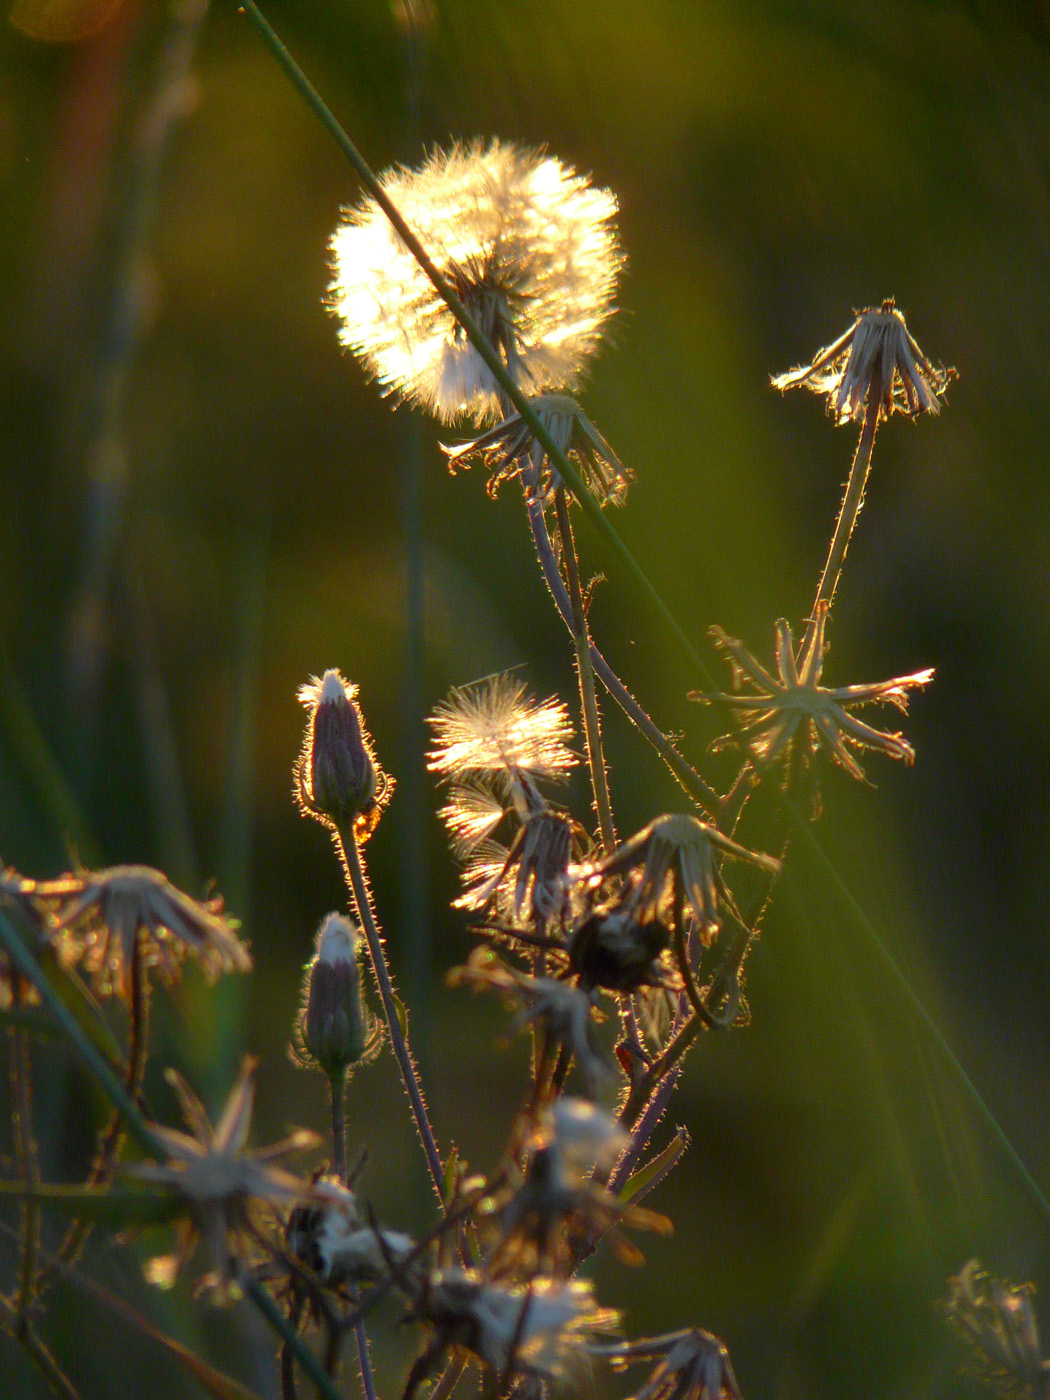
(163, 595)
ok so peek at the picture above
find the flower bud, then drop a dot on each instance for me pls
(336, 1029)
(337, 778)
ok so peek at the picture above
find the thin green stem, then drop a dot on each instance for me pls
(475, 335)
(103, 1073)
(911, 996)
(337, 1085)
(691, 781)
(850, 508)
(37, 1352)
(25, 1154)
(350, 853)
(581, 639)
(295, 1344)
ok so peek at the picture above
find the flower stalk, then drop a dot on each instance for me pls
(849, 510)
(349, 852)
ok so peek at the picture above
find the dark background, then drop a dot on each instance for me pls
(204, 503)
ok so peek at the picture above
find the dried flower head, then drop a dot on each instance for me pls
(566, 1012)
(337, 778)
(690, 1365)
(495, 730)
(335, 1029)
(509, 448)
(675, 857)
(616, 949)
(794, 712)
(526, 243)
(341, 1246)
(218, 1181)
(542, 1331)
(877, 361)
(997, 1323)
(113, 912)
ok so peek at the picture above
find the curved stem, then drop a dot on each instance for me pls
(350, 852)
(850, 508)
(581, 639)
(686, 774)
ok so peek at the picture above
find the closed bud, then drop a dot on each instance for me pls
(336, 1029)
(337, 778)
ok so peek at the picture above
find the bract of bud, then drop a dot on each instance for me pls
(336, 1029)
(337, 778)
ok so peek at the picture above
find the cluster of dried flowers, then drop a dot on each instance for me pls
(615, 956)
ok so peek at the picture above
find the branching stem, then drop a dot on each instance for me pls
(581, 639)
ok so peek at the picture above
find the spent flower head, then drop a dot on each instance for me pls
(542, 1331)
(690, 1365)
(509, 449)
(337, 778)
(792, 714)
(877, 361)
(112, 912)
(996, 1321)
(676, 855)
(496, 730)
(526, 243)
(218, 1181)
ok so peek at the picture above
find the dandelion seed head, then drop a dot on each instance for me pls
(496, 728)
(526, 243)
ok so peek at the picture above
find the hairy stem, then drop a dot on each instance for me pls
(337, 1085)
(686, 774)
(350, 852)
(850, 508)
(581, 639)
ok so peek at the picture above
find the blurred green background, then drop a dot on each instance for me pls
(204, 503)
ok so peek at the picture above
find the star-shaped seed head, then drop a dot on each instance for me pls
(790, 715)
(218, 1180)
(878, 362)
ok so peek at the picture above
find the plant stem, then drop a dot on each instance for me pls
(686, 774)
(302, 1353)
(367, 1378)
(37, 1352)
(25, 1154)
(581, 639)
(350, 852)
(92, 1060)
(337, 1085)
(850, 508)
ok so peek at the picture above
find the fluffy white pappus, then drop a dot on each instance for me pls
(547, 1329)
(586, 1136)
(328, 689)
(497, 727)
(338, 939)
(527, 244)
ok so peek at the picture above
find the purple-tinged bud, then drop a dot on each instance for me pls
(337, 778)
(336, 1030)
